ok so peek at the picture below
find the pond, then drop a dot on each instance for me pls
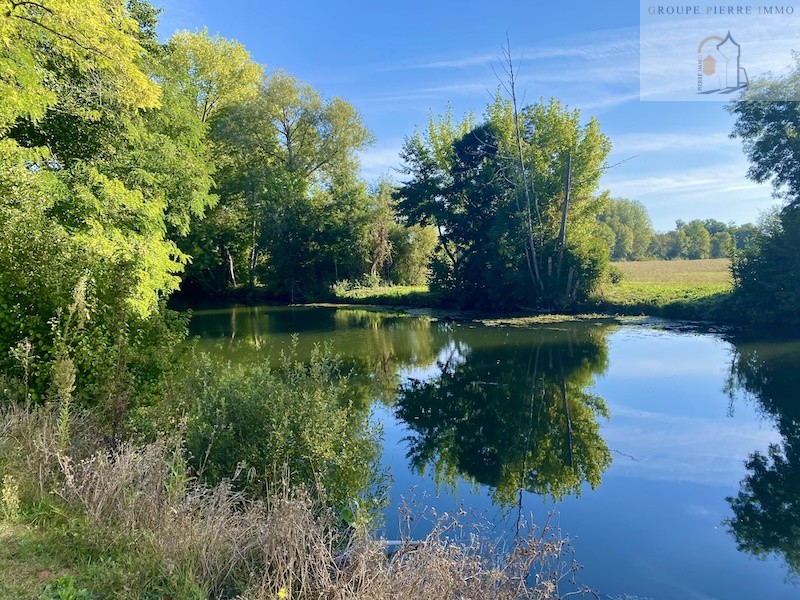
(670, 458)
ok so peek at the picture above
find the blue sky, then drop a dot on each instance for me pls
(398, 61)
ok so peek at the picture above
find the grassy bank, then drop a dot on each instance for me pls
(680, 289)
(129, 524)
(396, 295)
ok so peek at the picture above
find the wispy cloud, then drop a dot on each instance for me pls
(381, 162)
(598, 45)
(713, 179)
(675, 142)
(602, 65)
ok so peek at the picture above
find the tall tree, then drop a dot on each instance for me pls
(290, 200)
(766, 273)
(217, 72)
(473, 198)
(100, 177)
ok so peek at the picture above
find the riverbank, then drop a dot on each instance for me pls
(692, 290)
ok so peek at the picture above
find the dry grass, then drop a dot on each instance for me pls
(711, 271)
(202, 542)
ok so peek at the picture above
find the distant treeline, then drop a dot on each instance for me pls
(626, 227)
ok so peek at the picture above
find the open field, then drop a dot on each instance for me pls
(676, 288)
(711, 271)
(685, 289)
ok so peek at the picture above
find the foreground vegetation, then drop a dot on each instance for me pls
(83, 520)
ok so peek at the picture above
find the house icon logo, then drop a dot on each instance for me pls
(719, 69)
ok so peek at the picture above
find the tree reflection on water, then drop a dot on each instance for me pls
(515, 416)
(766, 511)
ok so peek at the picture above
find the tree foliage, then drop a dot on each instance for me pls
(630, 227)
(43, 41)
(467, 185)
(97, 179)
(767, 274)
(770, 132)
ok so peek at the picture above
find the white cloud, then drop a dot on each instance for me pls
(602, 65)
(596, 45)
(637, 143)
(717, 178)
(381, 161)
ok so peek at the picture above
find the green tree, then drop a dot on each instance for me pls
(698, 240)
(217, 73)
(768, 128)
(43, 42)
(293, 213)
(630, 224)
(766, 271)
(471, 195)
(722, 244)
(118, 177)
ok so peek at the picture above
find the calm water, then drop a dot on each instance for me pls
(671, 459)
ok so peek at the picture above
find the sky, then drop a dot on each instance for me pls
(399, 62)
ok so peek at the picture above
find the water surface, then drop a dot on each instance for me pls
(671, 459)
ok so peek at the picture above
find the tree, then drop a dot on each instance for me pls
(722, 245)
(766, 273)
(630, 224)
(768, 126)
(698, 240)
(217, 73)
(44, 41)
(470, 192)
(94, 180)
(293, 211)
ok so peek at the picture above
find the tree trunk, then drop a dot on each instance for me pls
(562, 235)
(231, 269)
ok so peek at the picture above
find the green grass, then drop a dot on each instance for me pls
(27, 563)
(691, 289)
(706, 272)
(680, 289)
(397, 295)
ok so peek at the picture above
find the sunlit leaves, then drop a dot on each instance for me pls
(40, 40)
(218, 73)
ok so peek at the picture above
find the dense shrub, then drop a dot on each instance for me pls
(767, 274)
(298, 417)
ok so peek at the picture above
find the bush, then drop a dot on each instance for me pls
(299, 417)
(615, 274)
(767, 273)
